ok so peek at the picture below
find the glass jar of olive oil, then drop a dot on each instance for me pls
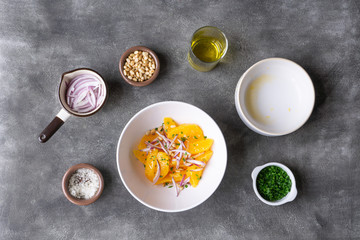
(208, 47)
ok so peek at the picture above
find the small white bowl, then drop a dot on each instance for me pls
(274, 97)
(289, 197)
(132, 171)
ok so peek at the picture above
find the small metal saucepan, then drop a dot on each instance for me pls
(66, 110)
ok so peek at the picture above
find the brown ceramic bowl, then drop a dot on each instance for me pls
(144, 49)
(65, 184)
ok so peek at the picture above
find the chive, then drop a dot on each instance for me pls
(273, 183)
(195, 137)
(170, 186)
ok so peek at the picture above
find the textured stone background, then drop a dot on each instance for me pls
(39, 40)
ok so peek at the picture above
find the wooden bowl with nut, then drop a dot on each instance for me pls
(139, 66)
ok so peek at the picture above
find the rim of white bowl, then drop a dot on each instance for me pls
(289, 197)
(118, 166)
(247, 122)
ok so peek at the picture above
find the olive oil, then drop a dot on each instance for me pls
(206, 49)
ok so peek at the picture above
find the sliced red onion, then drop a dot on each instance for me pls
(163, 148)
(182, 180)
(163, 137)
(155, 141)
(196, 162)
(179, 148)
(182, 151)
(156, 178)
(172, 142)
(92, 97)
(87, 109)
(197, 155)
(85, 93)
(175, 186)
(182, 144)
(153, 146)
(186, 181)
(146, 149)
(197, 170)
(177, 163)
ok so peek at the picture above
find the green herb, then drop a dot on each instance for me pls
(195, 137)
(182, 132)
(156, 129)
(183, 139)
(205, 137)
(160, 175)
(186, 186)
(170, 186)
(273, 183)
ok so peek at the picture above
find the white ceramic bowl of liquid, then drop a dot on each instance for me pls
(274, 97)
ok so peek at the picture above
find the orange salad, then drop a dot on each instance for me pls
(174, 155)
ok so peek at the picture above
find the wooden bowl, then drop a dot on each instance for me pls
(144, 49)
(65, 184)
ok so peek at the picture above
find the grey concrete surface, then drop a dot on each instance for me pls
(39, 40)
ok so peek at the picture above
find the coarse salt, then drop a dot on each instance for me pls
(84, 183)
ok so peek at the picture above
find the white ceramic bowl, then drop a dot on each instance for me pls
(289, 197)
(132, 171)
(274, 97)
